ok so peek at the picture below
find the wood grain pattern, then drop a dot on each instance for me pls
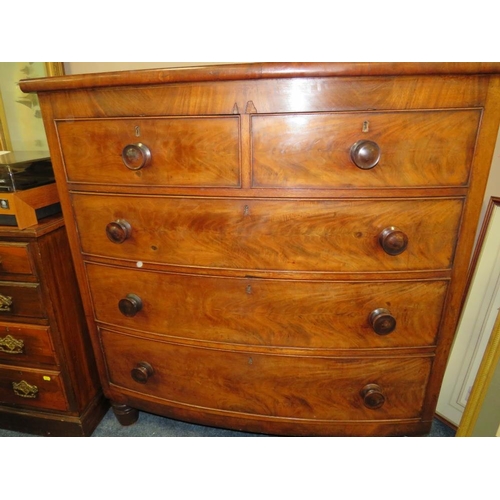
(263, 384)
(280, 313)
(50, 390)
(201, 151)
(26, 300)
(417, 149)
(38, 346)
(272, 96)
(252, 71)
(274, 268)
(323, 235)
(14, 259)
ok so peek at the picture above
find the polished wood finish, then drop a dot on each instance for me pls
(198, 151)
(49, 390)
(23, 204)
(250, 311)
(290, 246)
(26, 343)
(316, 150)
(14, 259)
(265, 385)
(48, 377)
(256, 234)
(256, 71)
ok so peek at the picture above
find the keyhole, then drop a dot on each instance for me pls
(366, 126)
(137, 131)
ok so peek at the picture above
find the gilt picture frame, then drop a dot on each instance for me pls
(21, 126)
(491, 356)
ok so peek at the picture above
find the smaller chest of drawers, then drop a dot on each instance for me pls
(48, 378)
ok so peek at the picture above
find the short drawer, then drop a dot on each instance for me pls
(293, 235)
(282, 313)
(192, 151)
(23, 343)
(316, 388)
(416, 149)
(15, 259)
(20, 300)
(32, 388)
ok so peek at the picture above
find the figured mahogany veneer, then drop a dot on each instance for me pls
(198, 151)
(314, 150)
(278, 248)
(268, 312)
(295, 235)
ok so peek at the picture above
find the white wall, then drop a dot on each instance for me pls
(71, 68)
(493, 187)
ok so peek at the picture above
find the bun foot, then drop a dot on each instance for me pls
(125, 414)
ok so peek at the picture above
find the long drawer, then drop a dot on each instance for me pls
(183, 151)
(293, 235)
(317, 388)
(32, 388)
(412, 149)
(281, 313)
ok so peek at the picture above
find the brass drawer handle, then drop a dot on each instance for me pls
(136, 156)
(365, 154)
(25, 390)
(10, 345)
(382, 321)
(5, 303)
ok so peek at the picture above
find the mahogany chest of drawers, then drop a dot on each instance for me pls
(48, 377)
(277, 248)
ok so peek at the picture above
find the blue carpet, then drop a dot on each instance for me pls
(150, 425)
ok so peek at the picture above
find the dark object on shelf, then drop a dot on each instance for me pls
(25, 170)
(27, 188)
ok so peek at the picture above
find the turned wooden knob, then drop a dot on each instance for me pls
(382, 321)
(372, 395)
(130, 305)
(365, 154)
(393, 240)
(142, 371)
(136, 156)
(118, 231)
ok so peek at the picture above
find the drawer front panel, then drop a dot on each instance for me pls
(198, 151)
(25, 344)
(261, 312)
(417, 149)
(32, 388)
(261, 384)
(319, 235)
(14, 259)
(20, 300)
